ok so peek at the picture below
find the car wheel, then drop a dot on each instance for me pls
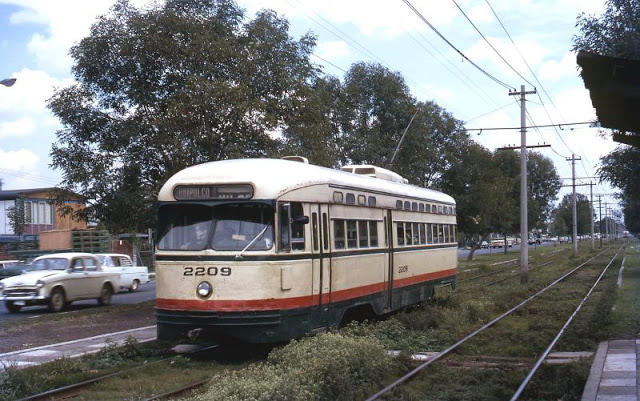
(105, 295)
(57, 301)
(134, 286)
(13, 308)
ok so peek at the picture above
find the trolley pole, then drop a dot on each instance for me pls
(524, 229)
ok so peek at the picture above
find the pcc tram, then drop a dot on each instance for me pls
(265, 250)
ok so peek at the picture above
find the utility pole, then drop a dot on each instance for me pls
(524, 229)
(600, 214)
(575, 218)
(591, 184)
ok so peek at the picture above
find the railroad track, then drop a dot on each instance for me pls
(440, 356)
(75, 389)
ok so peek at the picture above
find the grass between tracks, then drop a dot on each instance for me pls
(352, 363)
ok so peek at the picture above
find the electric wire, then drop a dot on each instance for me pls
(496, 80)
(489, 43)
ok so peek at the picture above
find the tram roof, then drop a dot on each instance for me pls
(271, 178)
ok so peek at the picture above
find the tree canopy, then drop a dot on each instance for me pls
(164, 88)
(616, 33)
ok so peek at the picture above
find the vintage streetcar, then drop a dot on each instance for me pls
(266, 250)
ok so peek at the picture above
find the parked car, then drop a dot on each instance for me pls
(7, 263)
(130, 276)
(18, 268)
(57, 280)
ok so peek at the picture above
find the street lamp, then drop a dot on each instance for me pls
(8, 82)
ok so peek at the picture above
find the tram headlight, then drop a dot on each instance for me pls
(204, 289)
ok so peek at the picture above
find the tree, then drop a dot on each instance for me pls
(621, 168)
(616, 33)
(17, 217)
(564, 215)
(179, 83)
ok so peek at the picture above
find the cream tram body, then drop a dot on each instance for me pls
(276, 249)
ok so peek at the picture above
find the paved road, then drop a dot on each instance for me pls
(146, 292)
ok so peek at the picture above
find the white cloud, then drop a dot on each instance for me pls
(332, 50)
(554, 70)
(22, 127)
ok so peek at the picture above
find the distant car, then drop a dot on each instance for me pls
(57, 280)
(484, 245)
(18, 268)
(130, 276)
(7, 263)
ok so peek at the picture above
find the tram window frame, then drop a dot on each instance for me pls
(398, 204)
(284, 239)
(373, 233)
(421, 207)
(400, 233)
(407, 205)
(350, 199)
(414, 206)
(338, 197)
(440, 234)
(363, 234)
(352, 234)
(422, 233)
(415, 231)
(339, 234)
(434, 209)
(362, 200)
(408, 234)
(297, 229)
(427, 207)
(314, 228)
(371, 201)
(439, 209)
(429, 233)
(325, 232)
(445, 232)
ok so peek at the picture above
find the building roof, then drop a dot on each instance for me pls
(614, 87)
(15, 193)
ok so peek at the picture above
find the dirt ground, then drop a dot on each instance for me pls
(52, 328)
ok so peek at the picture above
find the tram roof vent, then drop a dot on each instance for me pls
(300, 159)
(375, 172)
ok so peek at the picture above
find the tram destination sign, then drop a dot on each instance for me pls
(213, 192)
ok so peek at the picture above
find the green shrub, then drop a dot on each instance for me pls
(328, 366)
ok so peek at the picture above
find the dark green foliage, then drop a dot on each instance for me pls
(160, 89)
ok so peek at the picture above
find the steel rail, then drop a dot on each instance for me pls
(441, 354)
(561, 332)
(50, 394)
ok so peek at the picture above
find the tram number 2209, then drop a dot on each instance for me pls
(207, 271)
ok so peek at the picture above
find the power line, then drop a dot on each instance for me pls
(532, 126)
(496, 80)
(489, 43)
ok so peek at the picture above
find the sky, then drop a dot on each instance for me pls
(529, 43)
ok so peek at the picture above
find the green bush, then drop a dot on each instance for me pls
(328, 366)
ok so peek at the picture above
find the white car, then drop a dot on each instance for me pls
(130, 276)
(57, 280)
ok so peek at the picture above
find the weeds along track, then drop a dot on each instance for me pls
(499, 272)
(525, 333)
(76, 390)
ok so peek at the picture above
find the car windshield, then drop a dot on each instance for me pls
(49, 264)
(228, 227)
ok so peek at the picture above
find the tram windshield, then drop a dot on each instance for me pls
(228, 227)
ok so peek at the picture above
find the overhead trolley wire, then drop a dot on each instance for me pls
(496, 80)
(489, 43)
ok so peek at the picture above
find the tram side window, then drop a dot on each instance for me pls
(400, 232)
(292, 222)
(422, 234)
(416, 234)
(363, 234)
(373, 233)
(314, 228)
(338, 234)
(352, 239)
(408, 235)
(445, 228)
(440, 233)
